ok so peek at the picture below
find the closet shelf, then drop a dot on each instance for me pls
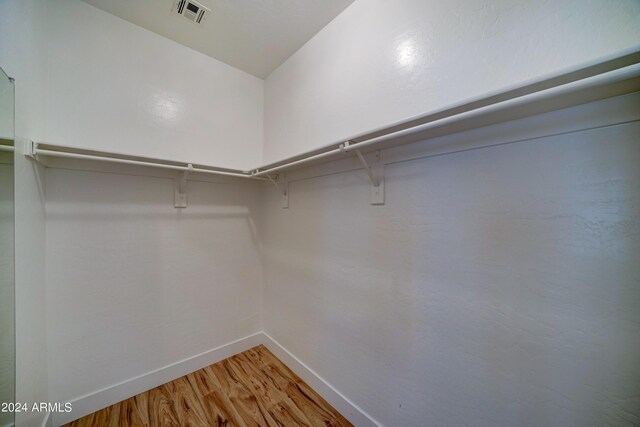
(591, 82)
(608, 77)
(37, 149)
(613, 76)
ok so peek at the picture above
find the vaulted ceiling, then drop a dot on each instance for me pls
(253, 35)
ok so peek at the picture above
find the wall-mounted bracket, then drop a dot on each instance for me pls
(282, 185)
(375, 172)
(180, 192)
(31, 152)
(30, 148)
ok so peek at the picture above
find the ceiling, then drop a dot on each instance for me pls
(253, 35)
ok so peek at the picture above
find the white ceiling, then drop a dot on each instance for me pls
(253, 35)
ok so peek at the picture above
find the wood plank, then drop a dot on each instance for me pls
(161, 409)
(260, 356)
(273, 399)
(142, 405)
(315, 408)
(107, 417)
(217, 404)
(251, 411)
(130, 415)
(203, 381)
(187, 405)
(287, 414)
(250, 389)
(221, 411)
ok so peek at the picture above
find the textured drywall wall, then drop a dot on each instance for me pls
(23, 56)
(496, 286)
(134, 284)
(383, 61)
(117, 87)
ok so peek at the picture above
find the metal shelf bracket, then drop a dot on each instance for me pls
(375, 172)
(180, 192)
(30, 149)
(282, 186)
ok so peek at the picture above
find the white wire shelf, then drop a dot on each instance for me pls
(606, 78)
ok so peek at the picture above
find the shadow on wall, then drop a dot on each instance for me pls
(503, 278)
(169, 283)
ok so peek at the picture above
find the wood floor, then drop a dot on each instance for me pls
(253, 388)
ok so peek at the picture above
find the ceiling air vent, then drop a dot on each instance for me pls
(190, 9)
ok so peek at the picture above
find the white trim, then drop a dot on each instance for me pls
(99, 399)
(347, 408)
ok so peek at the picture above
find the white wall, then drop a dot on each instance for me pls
(134, 284)
(383, 61)
(496, 286)
(117, 87)
(114, 86)
(23, 56)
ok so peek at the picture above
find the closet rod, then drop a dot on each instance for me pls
(501, 107)
(504, 106)
(37, 151)
(6, 148)
(260, 172)
(570, 87)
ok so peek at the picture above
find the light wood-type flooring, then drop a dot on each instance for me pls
(250, 389)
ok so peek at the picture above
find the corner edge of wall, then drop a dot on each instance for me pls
(108, 396)
(354, 414)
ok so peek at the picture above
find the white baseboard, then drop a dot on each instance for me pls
(97, 400)
(348, 409)
(113, 394)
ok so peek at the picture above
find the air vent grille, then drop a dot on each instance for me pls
(190, 9)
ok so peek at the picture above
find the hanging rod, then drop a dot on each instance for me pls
(261, 172)
(8, 148)
(582, 79)
(617, 74)
(105, 157)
